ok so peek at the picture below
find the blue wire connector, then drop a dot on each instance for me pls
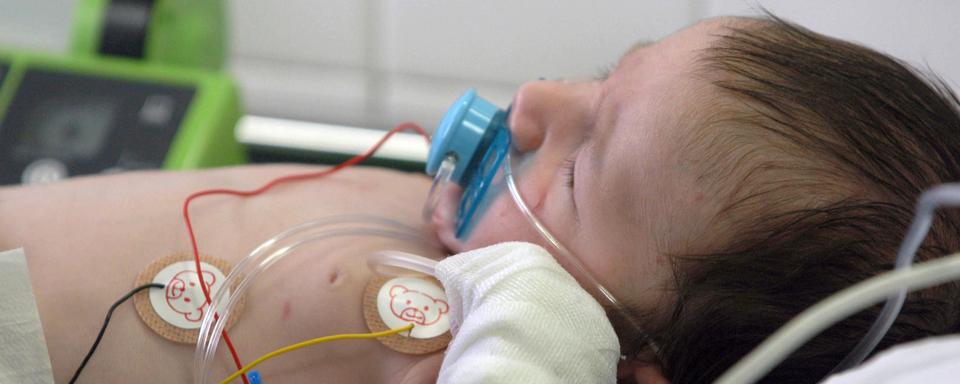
(254, 377)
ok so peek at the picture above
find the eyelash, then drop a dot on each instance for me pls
(568, 168)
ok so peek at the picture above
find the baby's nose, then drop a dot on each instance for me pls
(526, 115)
(544, 108)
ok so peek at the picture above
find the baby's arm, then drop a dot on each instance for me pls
(517, 316)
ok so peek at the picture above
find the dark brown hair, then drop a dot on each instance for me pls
(819, 149)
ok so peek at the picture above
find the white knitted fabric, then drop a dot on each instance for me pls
(23, 349)
(518, 317)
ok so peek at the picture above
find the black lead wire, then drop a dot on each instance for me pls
(106, 321)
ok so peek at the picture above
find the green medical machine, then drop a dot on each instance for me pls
(141, 89)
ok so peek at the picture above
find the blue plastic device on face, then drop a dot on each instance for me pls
(472, 147)
(474, 139)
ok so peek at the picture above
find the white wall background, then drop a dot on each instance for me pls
(375, 63)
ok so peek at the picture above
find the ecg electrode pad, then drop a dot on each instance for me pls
(175, 312)
(402, 292)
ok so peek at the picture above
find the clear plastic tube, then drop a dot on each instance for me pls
(847, 302)
(562, 251)
(388, 262)
(930, 201)
(273, 250)
(444, 173)
(834, 308)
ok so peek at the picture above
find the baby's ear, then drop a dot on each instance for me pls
(637, 371)
(397, 289)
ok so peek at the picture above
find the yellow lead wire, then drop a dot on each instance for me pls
(308, 343)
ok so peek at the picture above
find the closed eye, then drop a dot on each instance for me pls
(569, 165)
(568, 168)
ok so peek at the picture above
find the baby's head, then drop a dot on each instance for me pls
(729, 176)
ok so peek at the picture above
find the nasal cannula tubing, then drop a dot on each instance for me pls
(548, 236)
(929, 202)
(835, 308)
(894, 284)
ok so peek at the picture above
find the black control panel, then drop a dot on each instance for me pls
(61, 124)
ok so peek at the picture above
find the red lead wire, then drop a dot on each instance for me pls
(280, 180)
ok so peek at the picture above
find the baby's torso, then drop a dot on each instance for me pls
(87, 240)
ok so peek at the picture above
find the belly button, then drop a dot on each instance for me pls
(336, 276)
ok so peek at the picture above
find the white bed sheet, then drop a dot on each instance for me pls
(930, 361)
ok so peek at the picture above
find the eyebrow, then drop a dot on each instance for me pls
(599, 146)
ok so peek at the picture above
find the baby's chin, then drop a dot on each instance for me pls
(479, 237)
(442, 219)
(492, 227)
(445, 234)
(441, 225)
(450, 243)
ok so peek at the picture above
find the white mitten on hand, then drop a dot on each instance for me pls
(518, 317)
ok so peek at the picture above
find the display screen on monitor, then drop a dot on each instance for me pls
(65, 128)
(89, 123)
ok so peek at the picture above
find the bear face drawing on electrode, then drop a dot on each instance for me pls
(415, 306)
(184, 295)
